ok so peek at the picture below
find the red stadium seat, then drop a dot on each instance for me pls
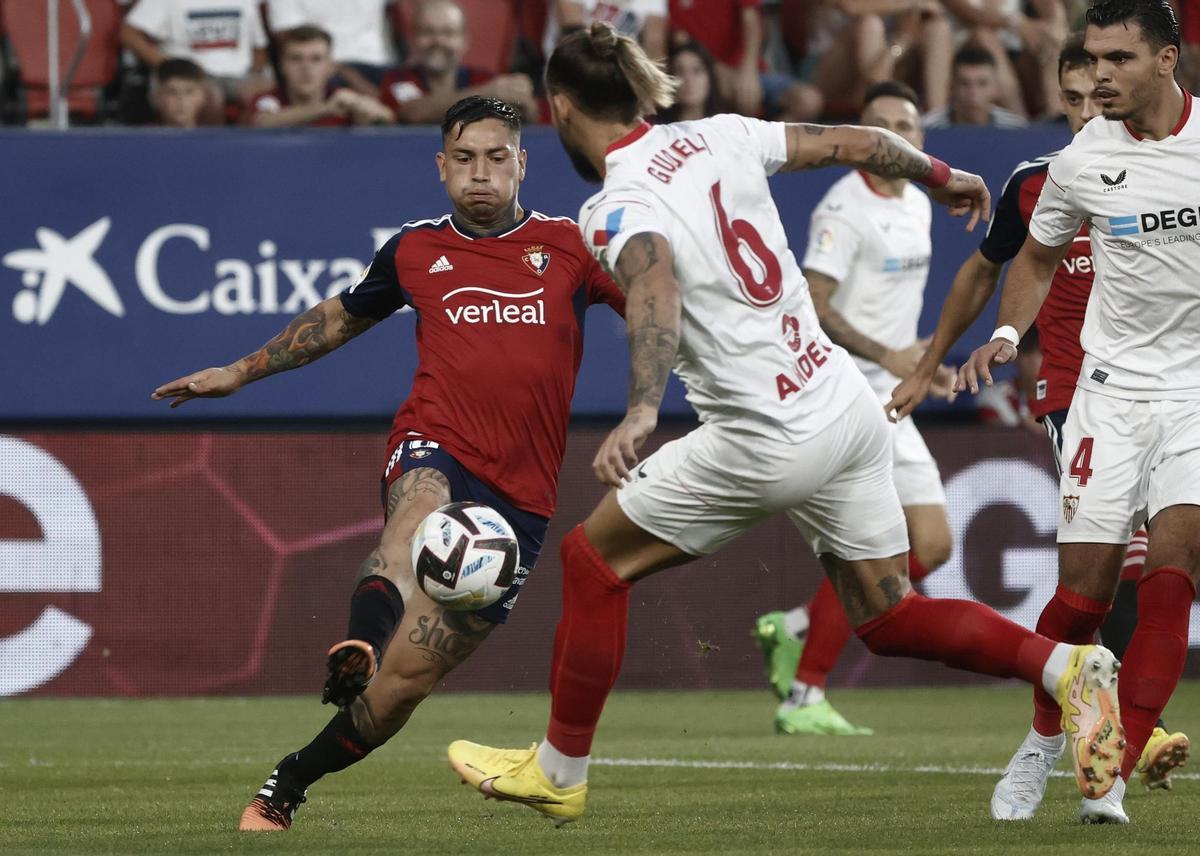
(491, 30)
(25, 24)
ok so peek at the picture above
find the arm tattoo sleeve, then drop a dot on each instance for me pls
(310, 335)
(651, 316)
(877, 151)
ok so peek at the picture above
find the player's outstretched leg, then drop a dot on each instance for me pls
(589, 645)
(895, 621)
(377, 604)
(429, 643)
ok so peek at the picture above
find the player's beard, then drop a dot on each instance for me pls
(582, 165)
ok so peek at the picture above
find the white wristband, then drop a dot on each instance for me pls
(1008, 334)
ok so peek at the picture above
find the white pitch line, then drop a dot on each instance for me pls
(801, 767)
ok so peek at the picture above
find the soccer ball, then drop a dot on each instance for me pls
(465, 556)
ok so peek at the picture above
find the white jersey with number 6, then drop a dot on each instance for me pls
(751, 353)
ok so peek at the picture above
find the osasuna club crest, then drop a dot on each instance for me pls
(537, 259)
(1070, 506)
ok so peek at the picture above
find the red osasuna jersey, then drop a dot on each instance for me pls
(1061, 317)
(499, 342)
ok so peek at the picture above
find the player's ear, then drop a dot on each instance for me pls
(522, 159)
(560, 107)
(440, 157)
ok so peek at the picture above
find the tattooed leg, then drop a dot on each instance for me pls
(410, 499)
(867, 588)
(430, 642)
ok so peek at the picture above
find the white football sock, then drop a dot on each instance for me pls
(1049, 744)
(1055, 666)
(563, 771)
(802, 695)
(795, 622)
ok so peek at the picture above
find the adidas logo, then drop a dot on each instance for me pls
(442, 264)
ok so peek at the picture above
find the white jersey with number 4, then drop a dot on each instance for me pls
(1141, 333)
(877, 249)
(751, 353)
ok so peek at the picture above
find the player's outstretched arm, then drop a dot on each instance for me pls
(1025, 287)
(310, 335)
(887, 155)
(973, 287)
(645, 273)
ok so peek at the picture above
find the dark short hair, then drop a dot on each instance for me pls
(891, 89)
(178, 68)
(1156, 18)
(305, 33)
(1072, 55)
(973, 54)
(475, 108)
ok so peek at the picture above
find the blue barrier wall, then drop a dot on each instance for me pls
(130, 257)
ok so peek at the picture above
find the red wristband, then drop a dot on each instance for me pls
(939, 173)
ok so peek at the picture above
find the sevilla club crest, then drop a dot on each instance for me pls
(1070, 506)
(536, 259)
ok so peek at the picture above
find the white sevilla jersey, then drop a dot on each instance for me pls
(1141, 333)
(751, 352)
(877, 249)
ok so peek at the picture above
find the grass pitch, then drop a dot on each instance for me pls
(85, 776)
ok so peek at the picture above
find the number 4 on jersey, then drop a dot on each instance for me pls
(1081, 464)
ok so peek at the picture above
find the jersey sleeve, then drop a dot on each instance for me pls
(766, 141)
(378, 293)
(608, 221)
(602, 289)
(832, 245)
(1006, 233)
(1057, 218)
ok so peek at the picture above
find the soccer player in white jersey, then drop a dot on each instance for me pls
(1131, 442)
(789, 424)
(866, 265)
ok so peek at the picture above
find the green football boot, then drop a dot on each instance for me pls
(817, 718)
(781, 652)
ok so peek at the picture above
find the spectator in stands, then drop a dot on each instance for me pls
(363, 46)
(1003, 30)
(698, 95)
(644, 20)
(224, 37)
(435, 78)
(973, 92)
(732, 30)
(306, 95)
(180, 93)
(855, 44)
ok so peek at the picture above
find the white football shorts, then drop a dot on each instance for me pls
(703, 490)
(914, 470)
(1124, 461)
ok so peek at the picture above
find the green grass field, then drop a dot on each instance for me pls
(84, 776)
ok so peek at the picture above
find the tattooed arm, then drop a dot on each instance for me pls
(887, 155)
(310, 335)
(645, 273)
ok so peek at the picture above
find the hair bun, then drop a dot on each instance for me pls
(603, 37)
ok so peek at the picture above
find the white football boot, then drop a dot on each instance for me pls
(1107, 809)
(1020, 790)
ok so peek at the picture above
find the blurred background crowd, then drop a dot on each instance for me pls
(281, 63)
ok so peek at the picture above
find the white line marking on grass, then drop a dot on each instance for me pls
(801, 767)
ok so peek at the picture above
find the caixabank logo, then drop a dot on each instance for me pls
(63, 267)
(1154, 221)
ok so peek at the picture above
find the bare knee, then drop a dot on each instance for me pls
(1092, 570)
(932, 550)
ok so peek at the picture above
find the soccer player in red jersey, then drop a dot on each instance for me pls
(1070, 615)
(497, 288)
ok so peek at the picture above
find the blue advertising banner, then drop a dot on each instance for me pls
(128, 258)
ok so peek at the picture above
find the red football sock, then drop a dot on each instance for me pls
(960, 633)
(829, 630)
(1067, 617)
(588, 645)
(1155, 657)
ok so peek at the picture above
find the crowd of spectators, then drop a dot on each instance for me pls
(287, 63)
